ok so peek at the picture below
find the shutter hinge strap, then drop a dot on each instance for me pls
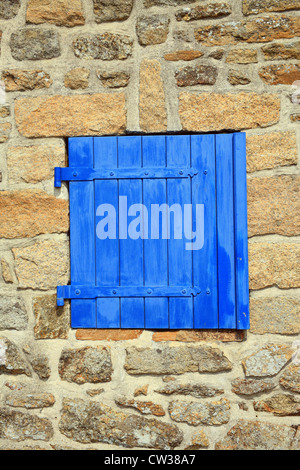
(90, 174)
(94, 292)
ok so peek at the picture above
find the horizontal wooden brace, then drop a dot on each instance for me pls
(90, 174)
(94, 292)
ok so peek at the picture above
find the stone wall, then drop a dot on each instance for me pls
(98, 67)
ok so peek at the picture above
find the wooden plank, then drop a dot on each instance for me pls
(107, 250)
(82, 232)
(131, 251)
(155, 250)
(179, 259)
(225, 231)
(205, 259)
(241, 232)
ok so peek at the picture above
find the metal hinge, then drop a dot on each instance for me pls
(90, 174)
(94, 292)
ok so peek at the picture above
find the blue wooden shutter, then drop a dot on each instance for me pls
(156, 282)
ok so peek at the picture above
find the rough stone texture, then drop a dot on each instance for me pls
(271, 150)
(290, 379)
(175, 360)
(85, 365)
(11, 359)
(40, 365)
(253, 7)
(35, 44)
(38, 162)
(185, 55)
(79, 115)
(280, 74)
(212, 10)
(59, 12)
(77, 78)
(267, 361)
(5, 130)
(88, 422)
(187, 336)
(275, 315)
(42, 265)
(152, 107)
(32, 212)
(9, 8)
(242, 56)
(144, 407)
(279, 405)
(20, 426)
(198, 441)
(13, 314)
(236, 77)
(217, 54)
(252, 386)
(107, 335)
(256, 30)
(113, 79)
(6, 272)
(277, 200)
(106, 46)
(143, 390)
(295, 117)
(4, 111)
(213, 111)
(274, 264)
(50, 321)
(22, 80)
(281, 51)
(112, 10)
(197, 390)
(29, 400)
(255, 435)
(211, 413)
(175, 3)
(95, 392)
(196, 75)
(152, 30)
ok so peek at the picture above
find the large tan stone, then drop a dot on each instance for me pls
(28, 213)
(51, 321)
(256, 30)
(20, 426)
(267, 361)
(253, 435)
(275, 315)
(271, 150)
(253, 7)
(58, 12)
(285, 74)
(280, 405)
(276, 200)
(211, 413)
(42, 265)
(22, 80)
(153, 114)
(77, 115)
(274, 264)
(35, 163)
(281, 51)
(242, 56)
(5, 130)
(213, 111)
(88, 421)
